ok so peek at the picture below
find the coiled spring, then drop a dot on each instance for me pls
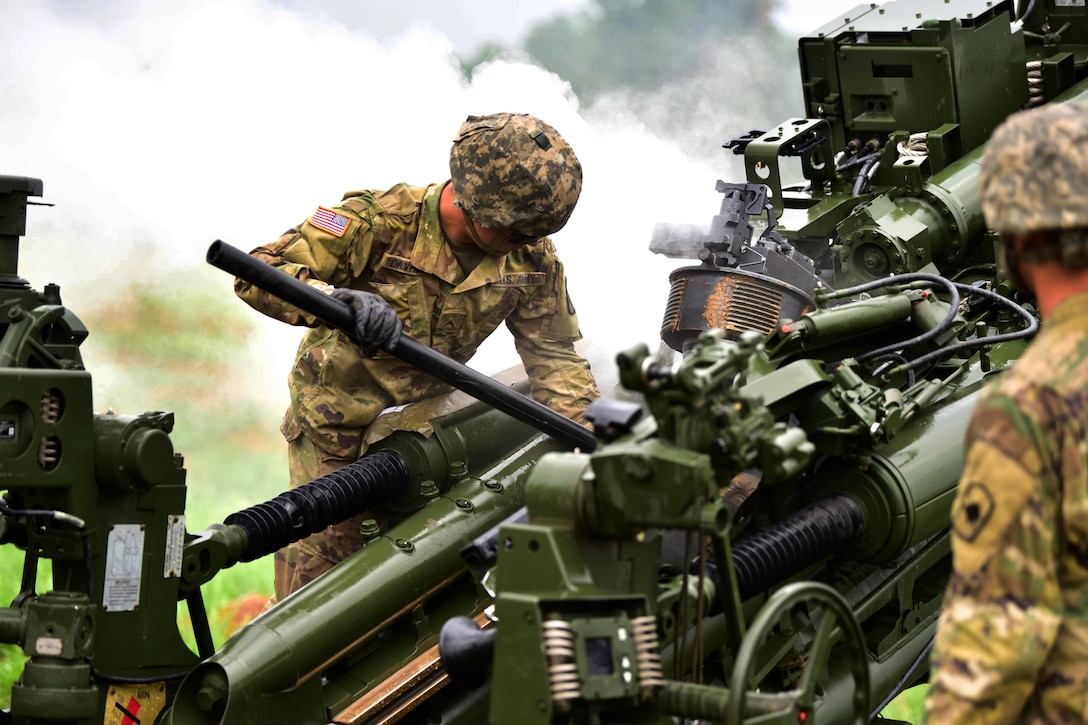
(651, 675)
(562, 670)
(49, 453)
(1035, 83)
(51, 407)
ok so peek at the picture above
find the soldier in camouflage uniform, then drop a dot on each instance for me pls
(1012, 641)
(444, 264)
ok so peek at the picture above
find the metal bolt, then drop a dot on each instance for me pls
(369, 529)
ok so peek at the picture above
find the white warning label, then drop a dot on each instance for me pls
(175, 546)
(124, 567)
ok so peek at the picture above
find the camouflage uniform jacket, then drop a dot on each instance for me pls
(1012, 641)
(391, 243)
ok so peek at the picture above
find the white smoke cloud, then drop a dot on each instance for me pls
(160, 127)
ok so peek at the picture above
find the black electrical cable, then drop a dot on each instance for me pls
(856, 161)
(897, 280)
(1031, 329)
(954, 289)
(862, 182)
(46, 513)
(902, 360)
(64, 518)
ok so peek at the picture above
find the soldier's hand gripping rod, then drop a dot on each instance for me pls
(340, 315)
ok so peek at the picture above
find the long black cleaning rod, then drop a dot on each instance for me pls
(339, 314)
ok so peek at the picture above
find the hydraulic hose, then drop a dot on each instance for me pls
(769, 556)
(327, 500)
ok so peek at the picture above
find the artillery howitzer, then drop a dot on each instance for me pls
(763, 536)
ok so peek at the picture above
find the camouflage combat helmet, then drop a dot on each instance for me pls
(1033, 176)
(513, 171)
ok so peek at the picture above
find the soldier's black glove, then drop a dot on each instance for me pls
(376, 324)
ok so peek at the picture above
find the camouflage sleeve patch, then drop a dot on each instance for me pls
(992, 495)
(312, 253)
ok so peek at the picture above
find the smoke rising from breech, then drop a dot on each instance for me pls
(160, 128)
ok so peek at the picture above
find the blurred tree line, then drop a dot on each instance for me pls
(698, 72)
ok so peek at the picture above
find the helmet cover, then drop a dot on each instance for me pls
(1035, 171)
(513, 171)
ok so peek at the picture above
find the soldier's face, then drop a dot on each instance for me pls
(498, 242)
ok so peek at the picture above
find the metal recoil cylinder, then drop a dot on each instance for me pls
(862, 317)
(905, 492)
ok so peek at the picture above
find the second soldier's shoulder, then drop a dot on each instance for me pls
(1058, 356)
(1048, 382)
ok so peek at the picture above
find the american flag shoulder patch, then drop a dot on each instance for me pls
(330, 221)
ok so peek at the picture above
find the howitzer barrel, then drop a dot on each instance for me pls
(906, 490)
(289, 645)
(395, 592)
(339, 315)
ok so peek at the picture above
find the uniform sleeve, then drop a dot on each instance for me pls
(1003, 605)
(323, 250)
(545, 328)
